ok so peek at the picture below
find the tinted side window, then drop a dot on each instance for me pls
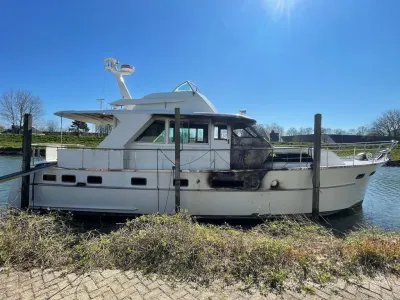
(155, 133)
(220, 132)
(191, 132)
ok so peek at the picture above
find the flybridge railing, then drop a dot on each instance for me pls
(280, 157)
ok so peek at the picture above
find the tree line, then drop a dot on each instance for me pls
(388, 124)
(362, 130)
(14, 104)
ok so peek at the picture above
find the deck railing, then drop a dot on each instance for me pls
(279, 157)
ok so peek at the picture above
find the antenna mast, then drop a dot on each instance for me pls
(112, 65)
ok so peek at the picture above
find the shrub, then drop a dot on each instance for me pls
(265, 256)
(31, 240)
(372, 250)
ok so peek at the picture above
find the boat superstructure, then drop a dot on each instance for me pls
(227, 168)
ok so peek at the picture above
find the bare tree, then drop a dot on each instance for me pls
(265, 129)
(14, 104)
(2, 128)
(326, 130)
(309, 130)
(103, 130)
(388, 124)
(52, 126)
(339, 131)
(7, 107)
(363, 130)
(352, 131)
(275, 127)
(305, 131)
(261, 130)
(292, 131)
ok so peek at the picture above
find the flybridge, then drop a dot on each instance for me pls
(186, 95)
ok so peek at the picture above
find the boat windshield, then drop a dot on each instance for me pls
(252, 132)
(186, 86)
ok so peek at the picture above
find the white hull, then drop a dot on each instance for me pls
(339, 190)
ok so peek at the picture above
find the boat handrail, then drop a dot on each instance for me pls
(375, 152)
(310, 145)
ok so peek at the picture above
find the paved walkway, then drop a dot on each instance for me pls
(110, 284)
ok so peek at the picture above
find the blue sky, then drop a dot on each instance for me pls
(282, 60)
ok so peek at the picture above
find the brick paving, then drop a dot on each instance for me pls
(114, 284)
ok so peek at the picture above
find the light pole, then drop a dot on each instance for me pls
(101, 102)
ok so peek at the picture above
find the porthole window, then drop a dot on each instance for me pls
(94, 179)
(184, 182)
(68, 178)
(49, 177)
(138, 181)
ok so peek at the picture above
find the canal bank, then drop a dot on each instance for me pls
(393, 163)
(280, 255)
(13, 151)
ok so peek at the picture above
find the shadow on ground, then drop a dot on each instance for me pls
(341, 223)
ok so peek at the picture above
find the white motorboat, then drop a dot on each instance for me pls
(227, 169)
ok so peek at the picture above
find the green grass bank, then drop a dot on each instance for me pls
(273, 254)
(15, 140)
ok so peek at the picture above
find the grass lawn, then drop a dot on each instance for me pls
(15, 140)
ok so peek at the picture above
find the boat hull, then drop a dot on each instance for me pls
(341, 188)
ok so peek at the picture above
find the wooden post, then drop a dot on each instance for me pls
(177, 135)
(61, 130)
(26, 160)
(316, 166)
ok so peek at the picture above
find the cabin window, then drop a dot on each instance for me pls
(95, 179)
(191, 132)
(220, 132)
(68, 178)
(49, 177)
(155, 133)
(184, 182)
(138, 181)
